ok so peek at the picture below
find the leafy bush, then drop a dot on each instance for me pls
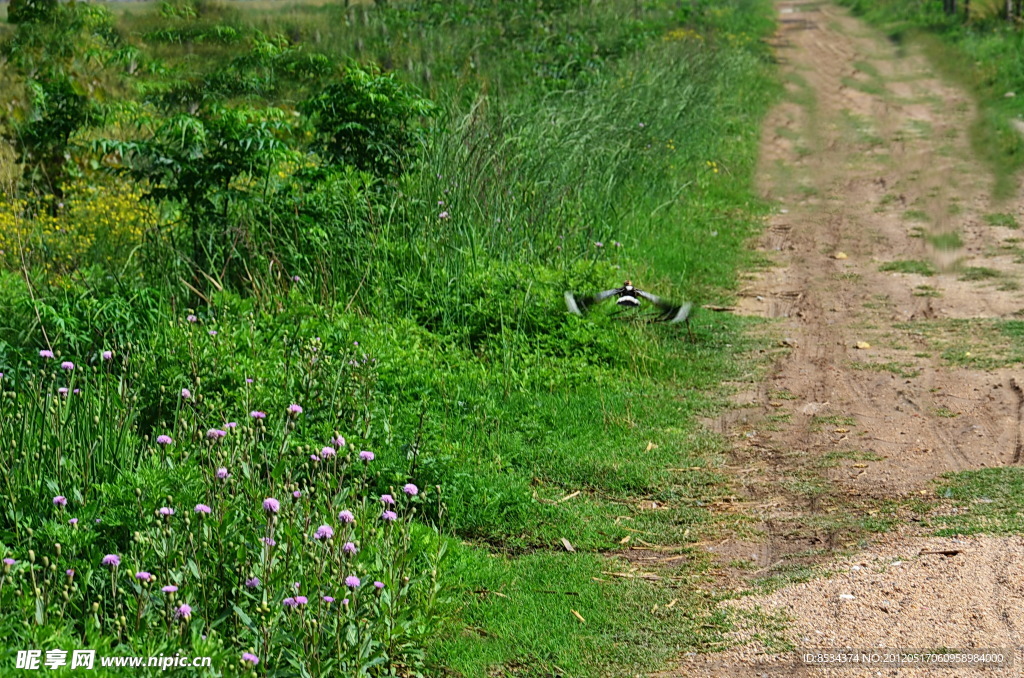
(366, 120)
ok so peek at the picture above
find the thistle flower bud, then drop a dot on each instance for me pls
(56, 549)
(31, 556)
(46, 561)
(95, 607)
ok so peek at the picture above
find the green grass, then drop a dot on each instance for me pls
(1001, 219)
(949, 240)
(915, 215)
(976, 273)
(904, 370)
(979, 344)
(915, 266)
(440, 343)
(990, 501)
(835, 457)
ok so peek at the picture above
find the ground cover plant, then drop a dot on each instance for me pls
(286, 380)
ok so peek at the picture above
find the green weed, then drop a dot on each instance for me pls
(915, 266)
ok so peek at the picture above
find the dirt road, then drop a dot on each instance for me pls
(886, 234)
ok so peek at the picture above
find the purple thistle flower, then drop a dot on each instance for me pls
(63, 391)
(47, 354)
(183, 612)
(248, 380)
(328, 599)
(269, 541)
(324, 532)
(296, 586)
(349, 548)
(290, 602)
(313, 457)
(191, 318)
(296, 494)
(60, 500)
(170, 588)
(378, 585)
(73, 521)
(295, 409)
(346, 517)
(444, 215)
(212, 333)
(143, 576)
(222, 472)
(107, 355)
(338, 441)
(256, 414)
(387, 500)
(186, 394)
(599, 244)
(252, 583)
(67, 365)
(271, 505)
(111, 560)
(77, 391)
(231, 424)
(70, 573)
(344, 601)
(215, 434)
(327, 452)
(301, 600)
(250, 658)
(296, 278)
(411, 489)
(203, 508)
(366, 455)
(164, 440)
(389, 516)
(352, 581)
(166, 511)
(9, 561)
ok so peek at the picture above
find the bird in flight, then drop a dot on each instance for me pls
(628, 296)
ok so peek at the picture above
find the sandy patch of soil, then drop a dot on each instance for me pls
(883, 222)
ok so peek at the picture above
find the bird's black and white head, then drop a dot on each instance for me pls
(627, 297)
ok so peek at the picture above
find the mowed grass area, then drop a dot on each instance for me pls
(387, 282)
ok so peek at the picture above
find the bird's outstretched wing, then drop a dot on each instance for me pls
(670, 312)
(580, 305)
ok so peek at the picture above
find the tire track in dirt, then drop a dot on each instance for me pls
(869, 159)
